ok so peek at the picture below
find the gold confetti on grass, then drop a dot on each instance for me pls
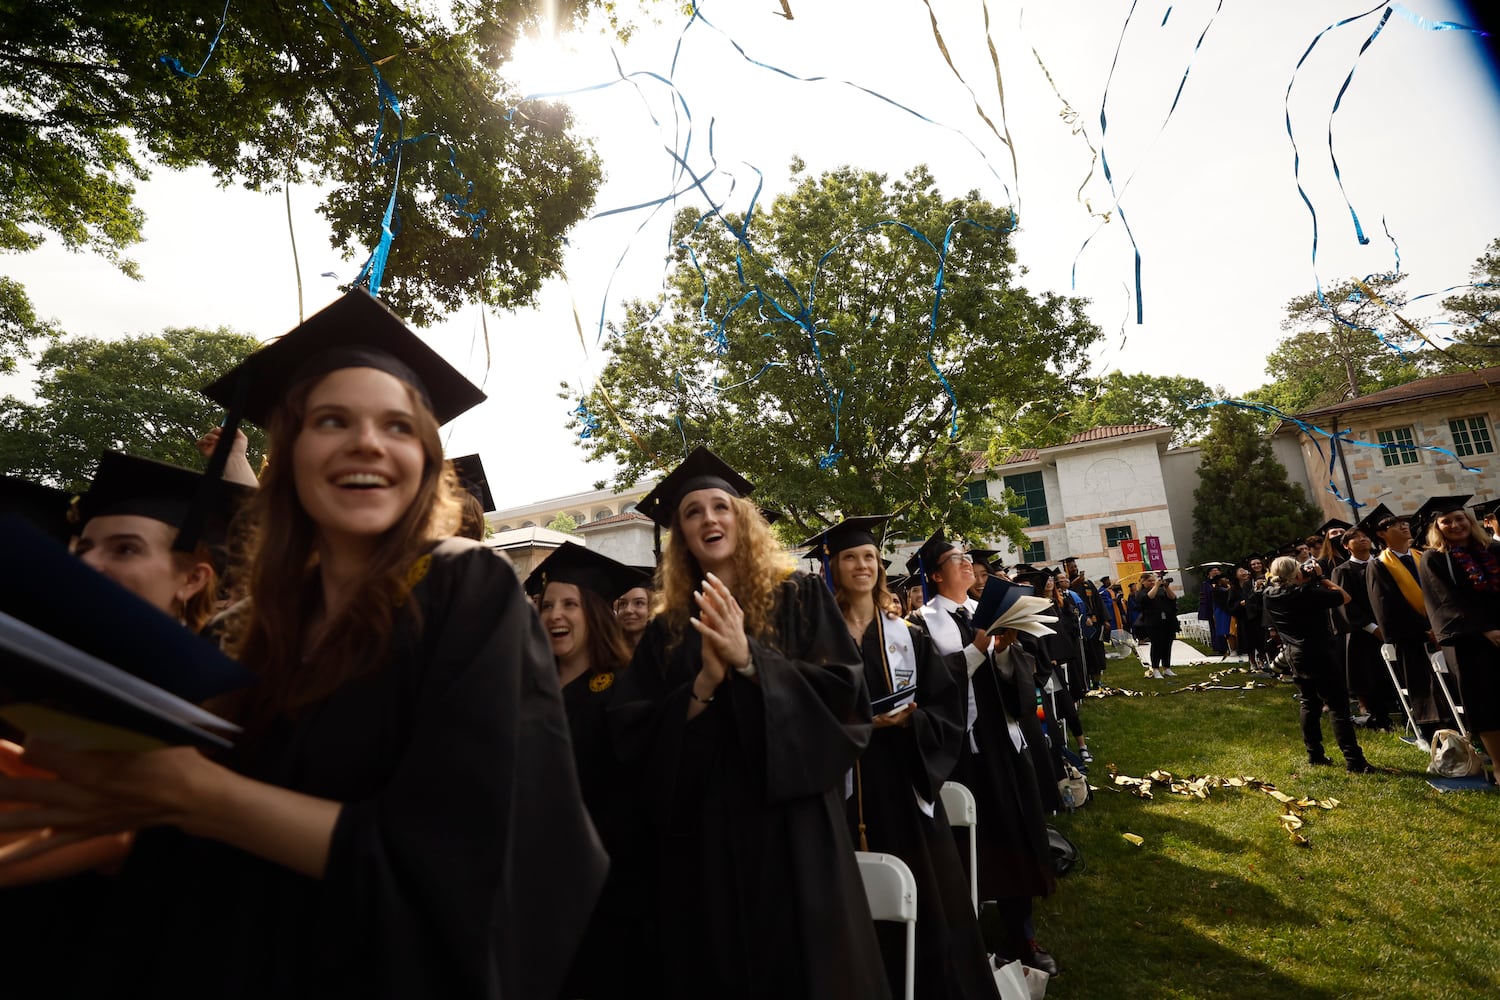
(1214, 682)
(1200, 786)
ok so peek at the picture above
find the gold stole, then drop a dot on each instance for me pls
(1410, 588)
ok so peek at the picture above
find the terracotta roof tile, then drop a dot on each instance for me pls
(1422, 388)
(629, 515)
(1113, 431)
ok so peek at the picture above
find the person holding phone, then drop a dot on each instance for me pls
(1298, 600)
(894, 804)
(1159, 613)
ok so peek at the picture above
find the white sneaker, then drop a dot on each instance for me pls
(1156, 674)
(1170, 672)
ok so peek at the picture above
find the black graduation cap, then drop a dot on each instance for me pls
(925, 559)
(1485, 509)
(470, 472)
(849, 532)
(1436, 507)
(355, 331)
(50, 653)
(1031, 577)
(1330, 524)
(771, 514)
(45, 508)
(896, 583)
(701, 470)
(129, 484)
(984, 555)
(583, 567)
(1370, 524)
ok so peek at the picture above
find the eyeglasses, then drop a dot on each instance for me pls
(962, 557)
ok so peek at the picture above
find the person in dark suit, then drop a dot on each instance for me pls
(1369, 681)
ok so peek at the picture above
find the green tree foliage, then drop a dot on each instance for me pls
(85, 102)
(1119, 398)
(1244, 501)
(564, 523)
(135, 394)
(1475, 314)
(20, 328)
(768, 395)
(1326, 361)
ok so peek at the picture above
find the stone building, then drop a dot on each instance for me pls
(1455, 412)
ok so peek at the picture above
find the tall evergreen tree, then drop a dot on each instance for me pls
(1244, 501)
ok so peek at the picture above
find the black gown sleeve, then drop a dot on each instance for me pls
(939, 720)
(475, 865)
(816, 715)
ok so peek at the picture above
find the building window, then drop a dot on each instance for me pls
(1471, 436)
(976, 492)
(504, 527)
(1035, 553)
(528, 524)
(1401, 446)
(627, 508)
(1114, 536)
(1031, 497)
(602, 513)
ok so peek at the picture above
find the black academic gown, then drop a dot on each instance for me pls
(1368, 678)
(759, 894)
(901, 763)
(462, 864)
(620, 953)
(1460, 615)
(1405, 628)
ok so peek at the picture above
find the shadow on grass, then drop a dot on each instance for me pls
(1139, 924)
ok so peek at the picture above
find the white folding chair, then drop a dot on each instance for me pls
(1389, 654)
(1441, 672)
(958, 803)
(892, 891)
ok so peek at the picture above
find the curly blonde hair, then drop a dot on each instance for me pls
(760, 566)
(1478, 537)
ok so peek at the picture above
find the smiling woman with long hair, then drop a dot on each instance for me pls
(740, 716)
(896, 803)
(401, 817)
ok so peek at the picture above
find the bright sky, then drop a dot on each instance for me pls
(1224, 238)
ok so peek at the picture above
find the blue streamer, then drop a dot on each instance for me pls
(1336, 439)
(1359, 232)
(1427, 25)
(1296, 154)
(172, 63)
(587, 418)
(1140, 306)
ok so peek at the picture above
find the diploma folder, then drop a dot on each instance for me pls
(1004, 605)
(85, 662)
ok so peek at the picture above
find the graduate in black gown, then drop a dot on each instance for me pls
(1461, 585)
(1369, 681)
(1393, 582)
(1015, 863)
(126, 524)
(401, 817)
(576, 587)
(738, 719)
(895, 804)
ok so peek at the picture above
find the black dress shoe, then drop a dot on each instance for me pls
(1319, 761)
(1041, 960)
(1361, 767)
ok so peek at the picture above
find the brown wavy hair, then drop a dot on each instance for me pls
(881, 595)
(760, 566)
(277, 550)
(198, 609)
(607, 648)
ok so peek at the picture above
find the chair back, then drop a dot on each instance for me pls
(958, 803)
(892, 891)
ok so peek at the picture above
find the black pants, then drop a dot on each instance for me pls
(1369, 680)
(1161, 647)
(1323, 685)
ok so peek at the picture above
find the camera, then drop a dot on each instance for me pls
(1310, 567)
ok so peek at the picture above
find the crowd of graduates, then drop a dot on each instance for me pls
(602, 780)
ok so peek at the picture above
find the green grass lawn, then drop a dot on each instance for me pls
(1396, 895)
